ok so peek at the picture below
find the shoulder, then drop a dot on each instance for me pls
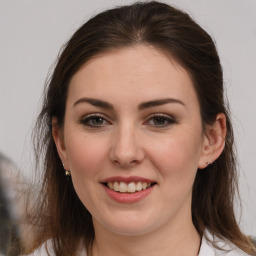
(46, 249)
(226, 247)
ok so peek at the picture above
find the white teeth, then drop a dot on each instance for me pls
(110, 185)
(116, 186)
(122, 187)
(131, 187)
(139, 186)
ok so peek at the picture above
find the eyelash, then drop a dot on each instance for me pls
(86, 120)
(89, 119)
(167, 119)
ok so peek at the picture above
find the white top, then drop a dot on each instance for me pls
(229, 249)
(206, 249)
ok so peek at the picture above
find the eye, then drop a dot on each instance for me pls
(94, 120)
(160, 120)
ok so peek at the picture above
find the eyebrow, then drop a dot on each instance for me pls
(94, 102)
(155, 103)
(143, 105)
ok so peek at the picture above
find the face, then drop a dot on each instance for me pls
(133, 140)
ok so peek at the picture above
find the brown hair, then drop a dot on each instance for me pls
(59, 214)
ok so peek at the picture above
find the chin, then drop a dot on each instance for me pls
(130, 231)
(128, 226)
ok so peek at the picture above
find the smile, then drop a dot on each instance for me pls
(130, 187)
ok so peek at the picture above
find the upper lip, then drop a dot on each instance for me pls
(127, 179)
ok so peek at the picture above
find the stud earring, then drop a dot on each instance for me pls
(68, 175)
(208, 163)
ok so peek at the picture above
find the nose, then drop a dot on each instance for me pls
(126, 150)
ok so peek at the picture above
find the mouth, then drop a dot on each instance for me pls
(131, 187)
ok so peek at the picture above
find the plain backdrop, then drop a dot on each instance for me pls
(33, 31)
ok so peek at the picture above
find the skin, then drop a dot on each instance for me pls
(127, 140)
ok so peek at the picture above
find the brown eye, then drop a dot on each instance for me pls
(160, 121)
(94, 121)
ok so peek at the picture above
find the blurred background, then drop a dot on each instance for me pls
(31, 35)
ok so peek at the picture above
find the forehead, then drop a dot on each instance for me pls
(138, 71)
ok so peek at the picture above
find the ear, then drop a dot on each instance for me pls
(214, 141)
(58, 136)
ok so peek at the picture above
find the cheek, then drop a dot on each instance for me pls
(86, 158)
(176, 162)
(86, 154)
(177, 156)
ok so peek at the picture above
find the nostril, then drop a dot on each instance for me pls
(125, 164)
(126, 153)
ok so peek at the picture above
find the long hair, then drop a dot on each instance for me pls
(9, 231)
(58, 213)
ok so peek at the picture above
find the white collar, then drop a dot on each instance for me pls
(206, 248)
(228, 249)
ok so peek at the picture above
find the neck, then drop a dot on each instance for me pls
(181, 240)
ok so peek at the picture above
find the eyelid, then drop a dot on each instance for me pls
(92, 115)
(168, 117)
(96, 114)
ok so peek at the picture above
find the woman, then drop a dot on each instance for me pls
(137, 142)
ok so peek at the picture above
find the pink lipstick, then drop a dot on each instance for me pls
(128, 189)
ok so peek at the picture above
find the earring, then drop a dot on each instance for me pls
(68, 175)
(208, 163)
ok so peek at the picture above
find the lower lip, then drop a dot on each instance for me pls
(128, 197)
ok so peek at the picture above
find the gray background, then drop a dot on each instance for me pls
(32, 32)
